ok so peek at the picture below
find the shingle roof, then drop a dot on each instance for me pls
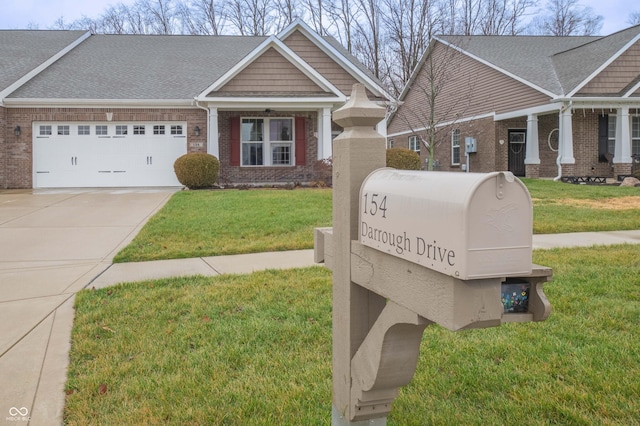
(21, 51)
(555, 64)
(139, 67)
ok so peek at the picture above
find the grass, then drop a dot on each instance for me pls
(560, 207)
(256, 350)
(212, 223)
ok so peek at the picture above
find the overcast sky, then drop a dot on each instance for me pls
(20, 14)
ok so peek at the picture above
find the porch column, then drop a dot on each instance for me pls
(533, 151)
(622, 152)
(213, 143)
(324, 134)
(565, 144)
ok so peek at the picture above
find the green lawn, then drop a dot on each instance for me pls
(212, 223)
(256, 350)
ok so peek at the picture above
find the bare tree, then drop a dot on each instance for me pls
(445, 94)
(367, 45)
(567, 17)
(342, 16)
(250, 17)
(504, 17)
(634, 18)
(159, 14)
(286, 12)
(407, 24)
(202, 16)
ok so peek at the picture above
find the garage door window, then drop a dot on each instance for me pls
(138, 130)
(45, 130)
(176, 130)
(121, 130)
(158, 130)
(63, 130)
(101, 130)
(84, 130)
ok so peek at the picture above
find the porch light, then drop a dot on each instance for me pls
(196, 131)
(17, 131)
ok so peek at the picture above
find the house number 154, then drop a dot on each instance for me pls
(375, 204)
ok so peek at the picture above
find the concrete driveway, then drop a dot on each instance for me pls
(54, 243)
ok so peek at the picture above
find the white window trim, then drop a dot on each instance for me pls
(413, 140)
(455, 145)
(268, 144)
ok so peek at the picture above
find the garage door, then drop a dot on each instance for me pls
(106, 154)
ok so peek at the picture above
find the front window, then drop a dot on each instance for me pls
(390, 143)
(277, 141)
(635, 136)
(611, 135)
(414, 145)
(455, 147)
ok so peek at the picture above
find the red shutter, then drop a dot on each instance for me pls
(301, 141)
(234, 140)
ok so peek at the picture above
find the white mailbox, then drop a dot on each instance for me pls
(466, 225)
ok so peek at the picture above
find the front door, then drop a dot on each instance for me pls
(517, 151)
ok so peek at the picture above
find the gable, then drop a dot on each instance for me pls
(617, 78)
(468, 89)
(320, 61)
(270, 73)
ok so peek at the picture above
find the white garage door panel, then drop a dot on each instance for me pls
(70, 159)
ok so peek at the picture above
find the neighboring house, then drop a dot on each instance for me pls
(84, 110)
(535, 105)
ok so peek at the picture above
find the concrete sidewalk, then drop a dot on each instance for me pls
(38, 281)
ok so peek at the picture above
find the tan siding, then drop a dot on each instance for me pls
(271, 73)
(468, 89)
(615, 78)
(320, 61)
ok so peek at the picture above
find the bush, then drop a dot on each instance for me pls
(197, 170)
(403, 159)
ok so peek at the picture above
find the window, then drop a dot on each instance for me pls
(158, 130)
(138, 130)
(176, 130)
(101, 130)
(455, 147)
(45, 130)
(277, 141)
(611, 135)
(121, 130)
(63, 130)
(414, 145)
(635, 136)
(84, 130)
(390, 143)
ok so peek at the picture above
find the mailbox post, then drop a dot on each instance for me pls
(409, 249)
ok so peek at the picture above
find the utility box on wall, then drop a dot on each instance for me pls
(470, 145)
(466, 225)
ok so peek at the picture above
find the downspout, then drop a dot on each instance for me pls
(208, 122)
(561, 141)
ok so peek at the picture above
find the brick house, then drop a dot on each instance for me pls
(85, 110)
(535, 105)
